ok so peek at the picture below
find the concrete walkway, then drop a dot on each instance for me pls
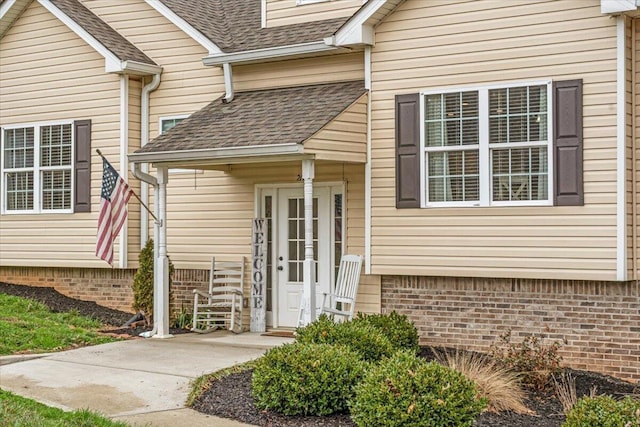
(142, 382)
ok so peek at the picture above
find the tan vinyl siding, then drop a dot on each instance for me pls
(344, 138)
(133, 242)
(47, 73)
(286, 12)
(421, 47)
(635, 132)
(186, 84)
(299, 72)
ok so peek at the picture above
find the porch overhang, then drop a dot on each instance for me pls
(317, 122)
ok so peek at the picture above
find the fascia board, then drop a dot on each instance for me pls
(268, 53)
(5, 7)
(216, 153)
(183, 25)
(352, 32)
(618, 6)
(112, 64)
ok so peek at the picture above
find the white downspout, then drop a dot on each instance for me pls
(621, 232)
(228, 83)
(124, 145)
(367, 166)
(144, 139)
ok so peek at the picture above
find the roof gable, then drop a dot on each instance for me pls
(120, 55)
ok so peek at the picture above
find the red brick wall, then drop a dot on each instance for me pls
(599, 320)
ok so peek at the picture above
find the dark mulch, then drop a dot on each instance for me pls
(230, 396)
(114, 320)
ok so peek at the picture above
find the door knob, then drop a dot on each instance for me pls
(280, 268)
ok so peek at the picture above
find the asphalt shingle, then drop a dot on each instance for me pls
(122, 48)
(235, 25)
(262, 117)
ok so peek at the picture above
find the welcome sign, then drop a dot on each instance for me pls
(259, 276)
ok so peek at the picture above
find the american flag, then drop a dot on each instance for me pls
(113, 210)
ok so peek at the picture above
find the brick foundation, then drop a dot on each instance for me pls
(108, 287)
(599, 320)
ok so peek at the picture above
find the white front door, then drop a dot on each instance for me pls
(290, 250)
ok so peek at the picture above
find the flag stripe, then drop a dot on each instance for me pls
(113, 211)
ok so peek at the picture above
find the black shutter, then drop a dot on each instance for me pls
(567, 143)
(82, 166)
(407, 151)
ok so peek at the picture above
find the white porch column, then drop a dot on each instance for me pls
(308, 266)
(161, 276)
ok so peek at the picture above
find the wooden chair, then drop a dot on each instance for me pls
(222, 305)
(346, 289)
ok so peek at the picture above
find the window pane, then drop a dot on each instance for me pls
(497, 102)
(538, 127)
(169, 123)
(470, 132)
(18, 148)
(452, 132)
(452, 105)
(520, 174)
(453, 176)
(469, 104)
(497, 130)
(433, 134)
(56, 189)
(517, 100)
(436, 190)
(433, 107)
(55, 145)
(518, 129)
(19, 191)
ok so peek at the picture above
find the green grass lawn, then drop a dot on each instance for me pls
(27, 326)
(17, 411)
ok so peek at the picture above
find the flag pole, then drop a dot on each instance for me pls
(134, 193)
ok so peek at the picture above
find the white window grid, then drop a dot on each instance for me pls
(485, 149)
(37, 169)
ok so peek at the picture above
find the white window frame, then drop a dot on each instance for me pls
(37, 169)
(484, 155)
(174, 117)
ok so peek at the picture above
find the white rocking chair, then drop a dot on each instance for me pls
(222, 305)
(345, 291)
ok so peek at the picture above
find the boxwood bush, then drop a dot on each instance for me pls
(306, 379)
(364, 339)
(401, 332)
(604, 411)
(405, 390)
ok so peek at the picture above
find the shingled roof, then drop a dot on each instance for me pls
(235, 25)
(102, 32)
(258, 118)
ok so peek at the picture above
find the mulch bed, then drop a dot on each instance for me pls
(230, 396)
(113, 319)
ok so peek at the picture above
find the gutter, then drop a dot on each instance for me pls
(217, 153)
(144, 139)
(270, 53)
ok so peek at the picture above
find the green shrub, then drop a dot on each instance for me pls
(143, 282)
(604, 411)
(535, 360)
(364, 339)
(405, 390)
(306, 379)
(182, 319)
(401, 332)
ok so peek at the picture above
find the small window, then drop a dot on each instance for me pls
(487, 146)
(37, 168)
(167, 123)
